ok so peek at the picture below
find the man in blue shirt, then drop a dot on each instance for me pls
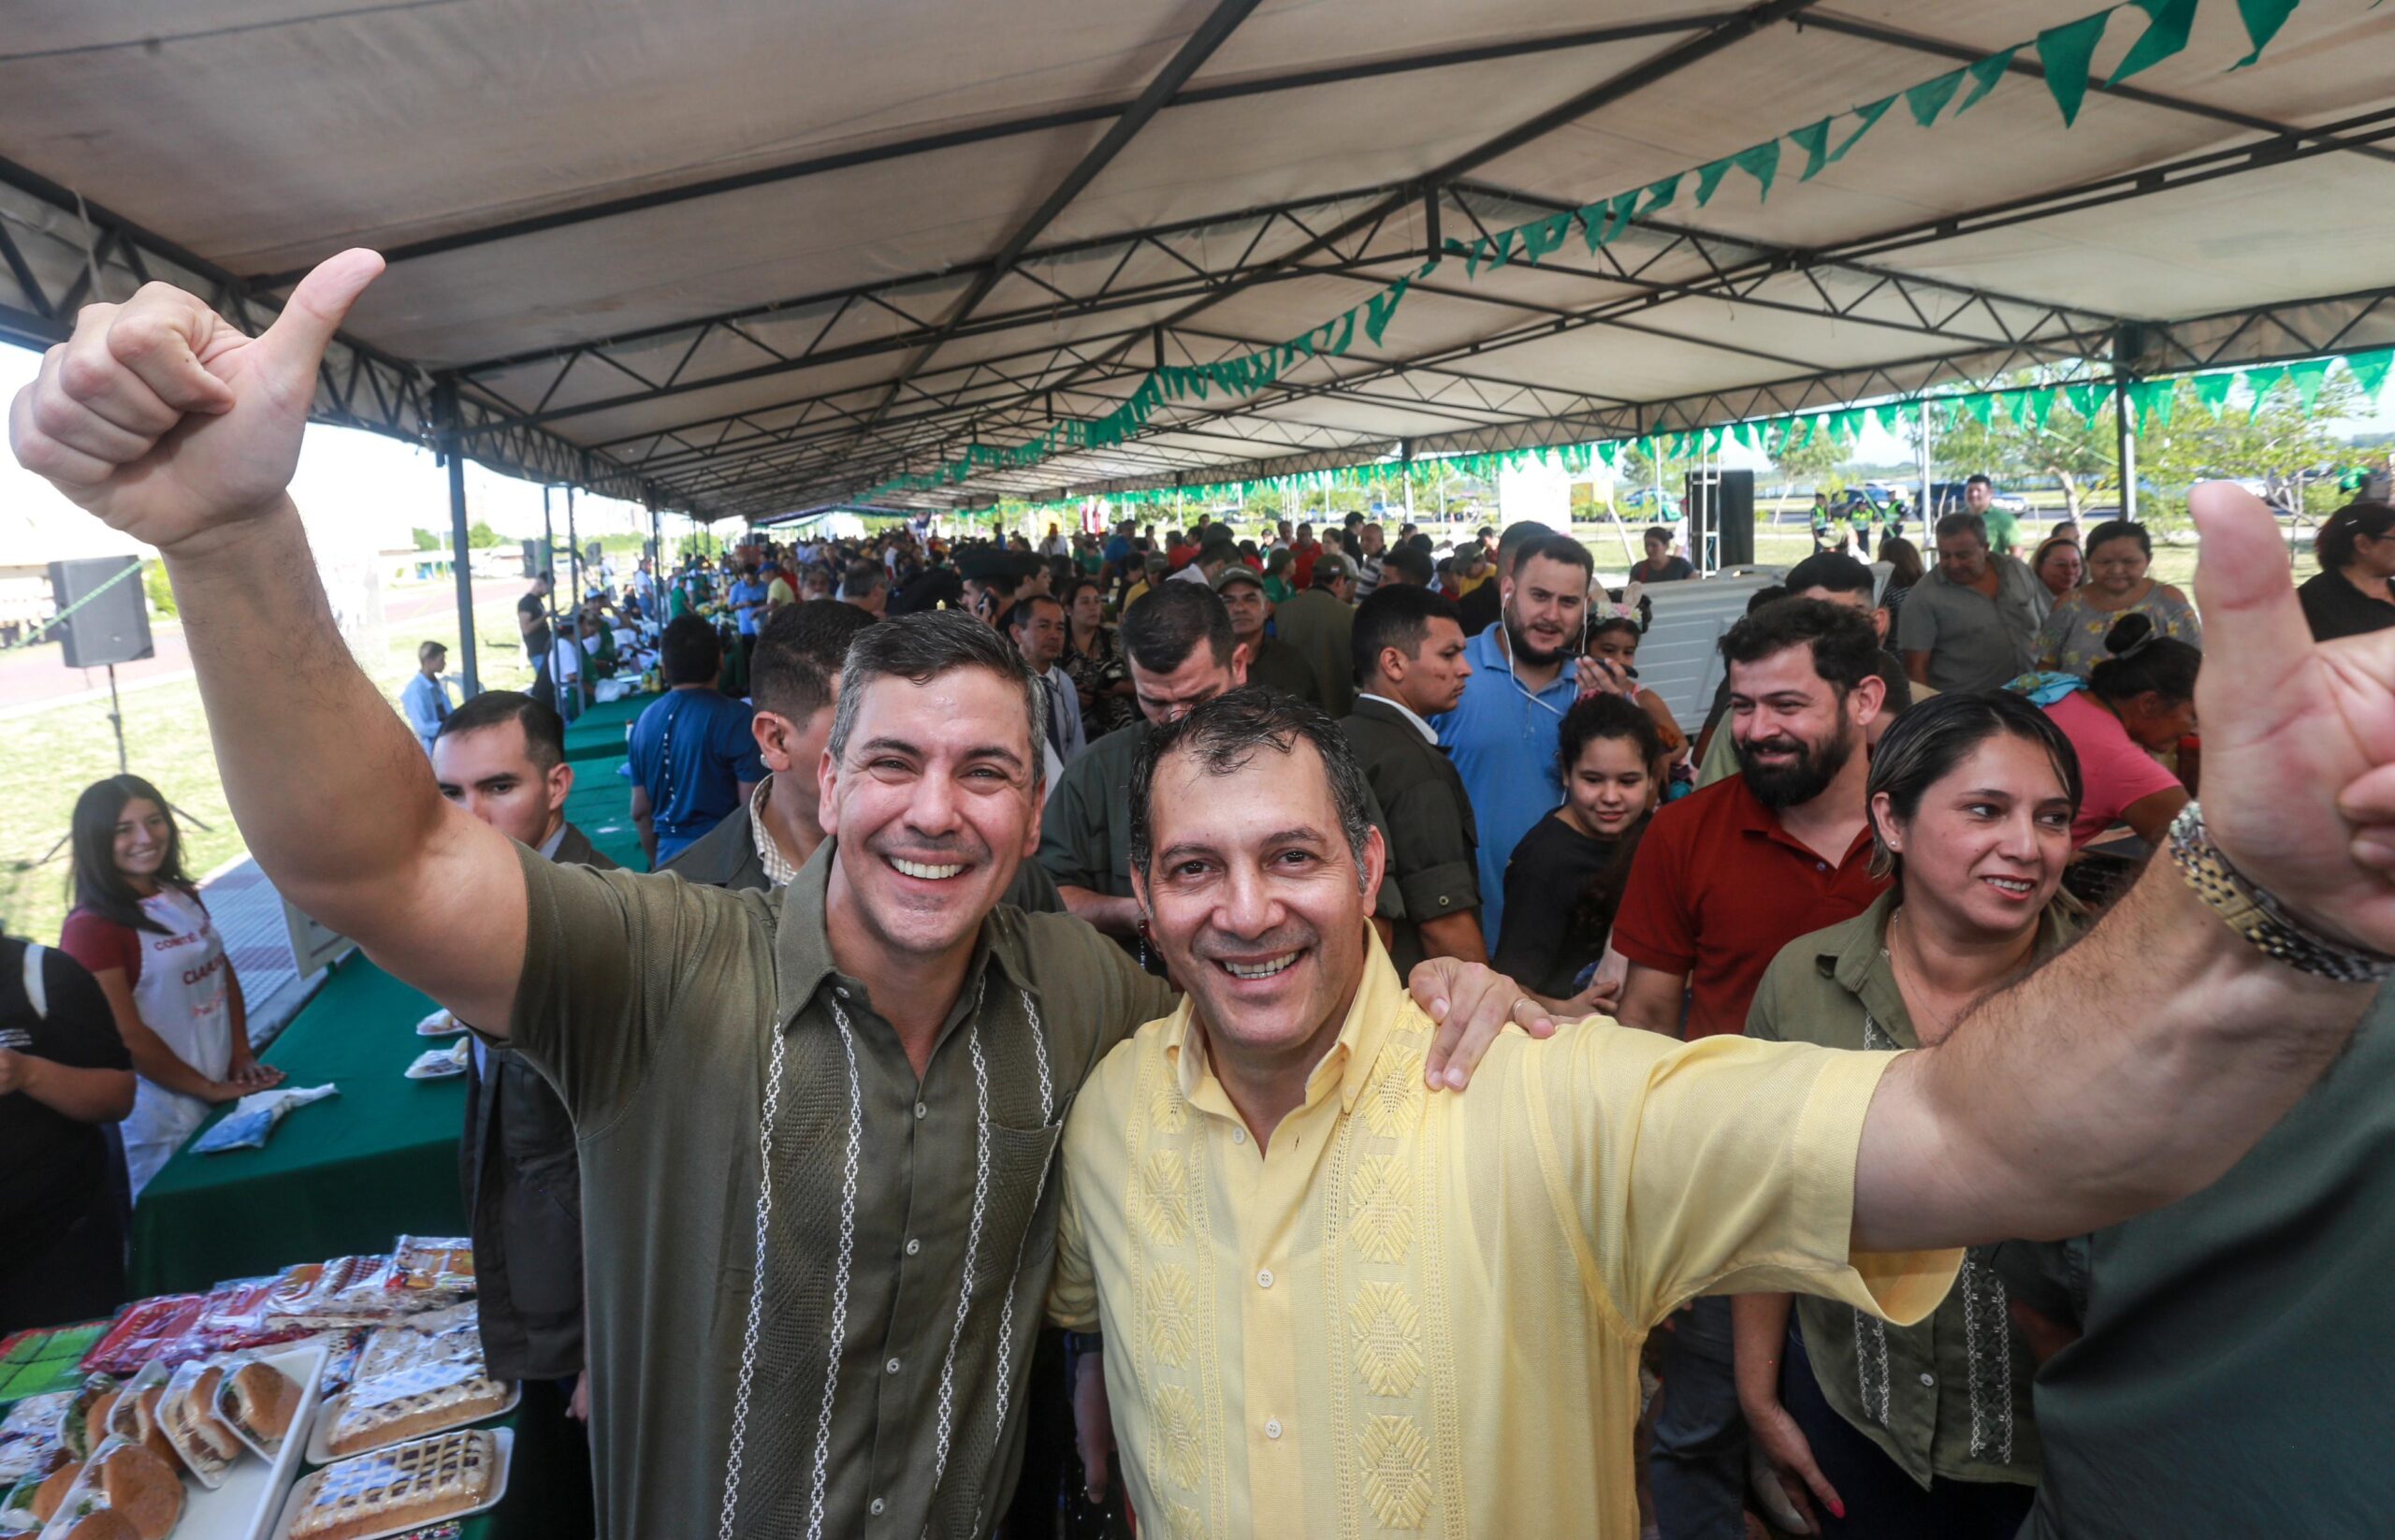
(747, 598)
(425, 700)
(693, 759)
(1503, 734)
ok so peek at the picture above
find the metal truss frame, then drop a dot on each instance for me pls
(59, 252)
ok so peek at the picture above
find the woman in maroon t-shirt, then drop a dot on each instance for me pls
(140, 927)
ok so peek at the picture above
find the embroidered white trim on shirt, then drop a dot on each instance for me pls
(972, 1238)
(1014, 1274)
(757, 1287)
(1987, 1339)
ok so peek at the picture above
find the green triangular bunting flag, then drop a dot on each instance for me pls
(1709, 176)
(2261, 382)
(1541, 238)
(2370, 370)
(1870, 112)
(1814, 140)
(2213, 389)
(1380, 307)
(1982, 408)
(1985, 75)
(1929, 98)
(1760, 162)
(1659, 194)
(2263, 19)
(2065, 51)
(2308, 376)
(2033, 408)
(2088, 400)
(2165, 34)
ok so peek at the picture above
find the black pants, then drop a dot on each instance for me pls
(79, 1276)
(1882, 1502)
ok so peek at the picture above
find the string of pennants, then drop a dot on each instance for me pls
(2153, 402)
(2065, 53)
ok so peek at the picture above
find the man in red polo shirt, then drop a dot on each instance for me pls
(1724, 879)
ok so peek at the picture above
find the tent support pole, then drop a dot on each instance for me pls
(2124, 445)
(1928, 513)
(460, 567)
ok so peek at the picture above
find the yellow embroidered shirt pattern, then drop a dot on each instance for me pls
(1419, 1314)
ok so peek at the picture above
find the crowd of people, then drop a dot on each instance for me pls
(1120, 933)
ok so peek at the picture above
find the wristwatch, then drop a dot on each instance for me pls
(2255, 912)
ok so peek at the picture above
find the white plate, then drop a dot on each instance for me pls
(319, 1453)
(438, 1063)
(438, 1025)
(246, 1506)
(502, 1451)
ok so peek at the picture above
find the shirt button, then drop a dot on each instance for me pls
(1264, 1278)
(1239, 1135)
(1272, 1428)
(1445, 901)
(1929, 1380)
(875, 1506)
(844, 995)
(913, 1246)
(921, 1110)
(892, 1366)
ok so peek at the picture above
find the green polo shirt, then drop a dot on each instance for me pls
(1277, 665)
(871, 1384)
(1085, 829)
(1951, 1395)
(1322, 628)
(1433, 843)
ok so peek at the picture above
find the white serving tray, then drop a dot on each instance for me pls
(502, 1454)
(246, 1506)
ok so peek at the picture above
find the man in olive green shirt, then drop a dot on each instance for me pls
(1410, 655)
(1178, 644)
(1270, 662)
(1321, 624)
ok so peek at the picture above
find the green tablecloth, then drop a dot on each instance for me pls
(599, 732)
(339, 1177)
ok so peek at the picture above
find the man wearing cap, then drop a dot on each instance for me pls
(1270, 662)
(1320, 624)
(1481, 604)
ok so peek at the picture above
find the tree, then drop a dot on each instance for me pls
(2276, 439)
(481, 535)
(2079, 453)
(426, 539)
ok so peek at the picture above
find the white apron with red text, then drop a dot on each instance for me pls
(181, 996)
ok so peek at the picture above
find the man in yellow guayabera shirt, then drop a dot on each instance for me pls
(1334, 1306)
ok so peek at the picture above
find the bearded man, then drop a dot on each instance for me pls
(1525, 675)
(1725, 879)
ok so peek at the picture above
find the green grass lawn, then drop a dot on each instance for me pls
(47, 758)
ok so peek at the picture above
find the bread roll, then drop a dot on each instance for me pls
(50, 1493)
(102, 1524)
(144, 1489)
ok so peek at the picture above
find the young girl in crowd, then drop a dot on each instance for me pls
(1567, 873)
(140, 927)
(1892, 1433)
(1611, 666)
(2138, 701)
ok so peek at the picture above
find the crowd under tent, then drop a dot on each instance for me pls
(740, 259)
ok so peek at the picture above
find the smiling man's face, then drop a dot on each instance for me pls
(1256, 900)
(934, 806)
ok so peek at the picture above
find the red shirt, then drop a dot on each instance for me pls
(1301, 563)
(1718, 887)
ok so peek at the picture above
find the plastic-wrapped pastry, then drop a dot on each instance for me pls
(413, 1483)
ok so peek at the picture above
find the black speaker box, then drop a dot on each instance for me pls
(113, 628)
(1722, 503)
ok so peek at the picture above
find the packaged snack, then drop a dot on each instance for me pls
(257, 1401)
(134, 1419)
(207, 1447)
(50, 1495)
(435, 1272)
(415, 1379)
(342, 1350)
(143, 1332)
(415, 1482)
(86, 1421)
(101, 1524)
(345, 1291)
(137, 1490)
(30, 1439)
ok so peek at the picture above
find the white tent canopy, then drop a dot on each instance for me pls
(740, 257)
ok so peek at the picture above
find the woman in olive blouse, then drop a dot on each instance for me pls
(1925, 1430)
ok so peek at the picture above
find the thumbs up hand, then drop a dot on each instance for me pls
(162, 418)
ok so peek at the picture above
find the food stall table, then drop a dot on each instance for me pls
(339, 1177)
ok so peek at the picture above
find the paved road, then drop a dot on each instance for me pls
(35, 675)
